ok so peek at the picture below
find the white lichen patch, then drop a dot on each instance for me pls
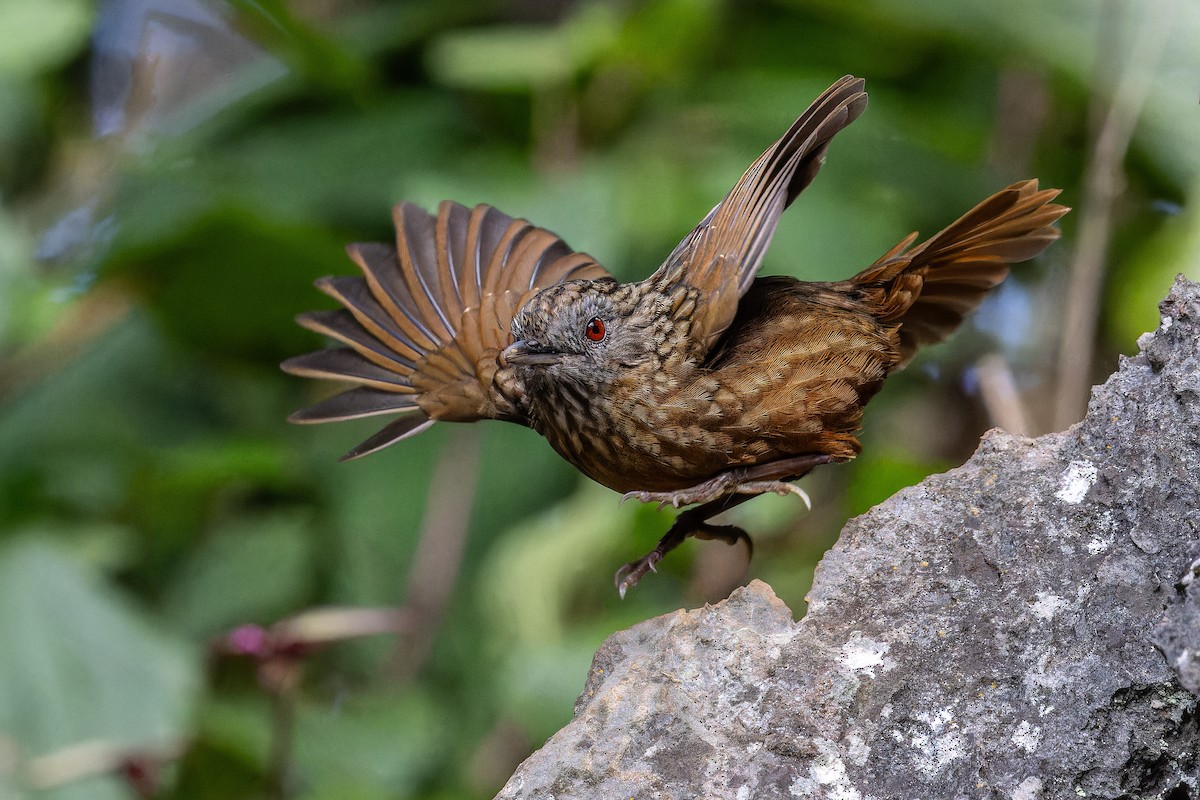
(1027, 736)
(1047, 605)
(1097, 545)
(935, 749)
(827, 777)
(864, 655)
(1028, 789)
(1042, 678)
(829, 772)
(1079, 477)
(857, 750)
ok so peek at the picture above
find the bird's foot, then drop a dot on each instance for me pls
(684, 526)
(782, 488)
(773, 476)
(716, 488)
(629, 575)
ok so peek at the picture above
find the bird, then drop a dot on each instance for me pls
(703, 385)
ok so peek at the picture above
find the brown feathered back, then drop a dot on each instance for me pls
(929, 289)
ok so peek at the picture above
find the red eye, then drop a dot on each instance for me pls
(595, 330)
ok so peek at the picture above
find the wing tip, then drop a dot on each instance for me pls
(292, 365)
(396, 431)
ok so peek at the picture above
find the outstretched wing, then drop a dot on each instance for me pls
(722, 255)
(423, 326)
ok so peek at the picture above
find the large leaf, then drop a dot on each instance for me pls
(224, 583)
(78, 666)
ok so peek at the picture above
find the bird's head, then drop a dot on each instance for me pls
(585, 329)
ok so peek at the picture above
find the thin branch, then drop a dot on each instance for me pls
(1000, 396)
(283, 735)
(1103, 183)
(439, 553)
(280, 676)
(1022, 108)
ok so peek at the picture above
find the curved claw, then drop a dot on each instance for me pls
(803, 496)
(629, 575)
(790, 488)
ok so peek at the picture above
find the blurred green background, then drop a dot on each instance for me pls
(174, 175)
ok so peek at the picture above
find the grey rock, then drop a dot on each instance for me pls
(1178, 635)
(1025, 626)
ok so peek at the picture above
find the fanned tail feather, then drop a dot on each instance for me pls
(930, 288)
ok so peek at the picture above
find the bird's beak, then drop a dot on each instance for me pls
(524, 353)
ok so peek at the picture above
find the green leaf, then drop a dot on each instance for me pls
(78, 665)
(512, 57)
(254, 570)
(373, 745)
(523, 56)
(38, 36)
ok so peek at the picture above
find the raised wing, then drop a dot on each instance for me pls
(423, 326)
(722, 255)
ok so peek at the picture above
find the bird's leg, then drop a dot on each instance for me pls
(693, 522)
(774, 476)
(728, 489)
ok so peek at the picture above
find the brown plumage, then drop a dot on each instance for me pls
(701, 384)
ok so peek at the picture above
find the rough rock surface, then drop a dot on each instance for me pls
(1026, 626)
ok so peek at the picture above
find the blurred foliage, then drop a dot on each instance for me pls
(174, 176)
